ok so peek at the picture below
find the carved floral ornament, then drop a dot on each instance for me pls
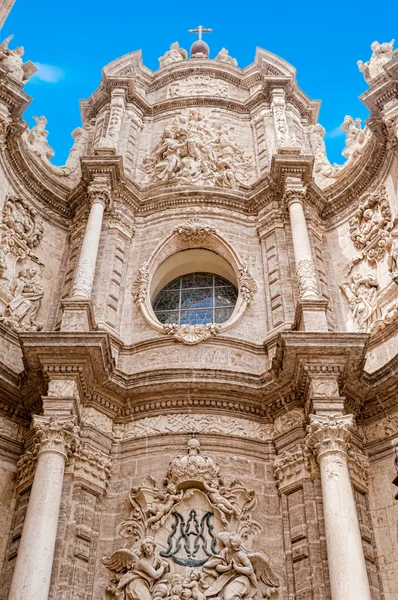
(190, 234)
(372, 276)
(192, 521)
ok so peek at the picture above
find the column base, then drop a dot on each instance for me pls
(311, 315)
(78, 315)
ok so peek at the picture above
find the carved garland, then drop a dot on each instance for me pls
(191, 232)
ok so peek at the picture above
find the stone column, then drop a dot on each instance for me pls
(99, 196)
(305, 268)
(54, 441)
(328, 438)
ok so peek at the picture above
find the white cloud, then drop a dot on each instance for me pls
(336, 132)
(48, 73)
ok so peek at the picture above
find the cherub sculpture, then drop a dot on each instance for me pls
(12, 60)
(195, 585)
(140, 573)
(237, 573)
(175, 54)
(159, 510)
(381, 55)
(221, 499)
(224, 57)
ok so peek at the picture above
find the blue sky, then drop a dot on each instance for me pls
(73, 40)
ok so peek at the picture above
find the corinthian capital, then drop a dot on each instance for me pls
(294, 194)
(98, 191)
(329, 433)
(53, 435)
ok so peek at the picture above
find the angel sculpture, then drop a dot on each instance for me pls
(224, 501)
(12, 60)
(140, 573)
(238, 573)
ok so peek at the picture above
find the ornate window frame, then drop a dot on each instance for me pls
(193, 234)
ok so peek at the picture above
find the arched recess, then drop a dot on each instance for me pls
(192, 235)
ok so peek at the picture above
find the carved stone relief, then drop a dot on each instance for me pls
(382, 428)
(198, 85)
(198, 150)
(200, 423)
(21, 291)
(191, 522)
(372, 301)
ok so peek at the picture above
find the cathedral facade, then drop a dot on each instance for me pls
(199, 334)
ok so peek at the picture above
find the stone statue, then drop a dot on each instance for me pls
(195, 586)
(392, 260)
(12, 60)
(218, 497)
(175, 54)
(200, 151)
(321, 164)
(237, 573)
(381, 55)
(361, 293)
(37, 140)
(27, 294)
(140, 573)
(79, 136)
(224, 57)
(356, 138)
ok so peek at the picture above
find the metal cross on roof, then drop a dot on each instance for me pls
(200, 31)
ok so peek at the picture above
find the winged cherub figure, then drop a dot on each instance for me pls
(140, 573)
(238, 573)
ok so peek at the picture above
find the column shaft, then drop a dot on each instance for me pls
(347, 568)
(85, 270)
(32, 574)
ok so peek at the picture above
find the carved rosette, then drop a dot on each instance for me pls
(329, 434)
(292, 466)
(247, 285)
(53, 435)
(191, 334)
(140, 286)
(92, 465)
(307, 280)
(194, 230)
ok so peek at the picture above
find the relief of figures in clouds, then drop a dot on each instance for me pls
(21, 291)
(192, 538)
(372, 276)
(199, 150)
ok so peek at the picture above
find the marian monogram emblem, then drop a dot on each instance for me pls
(191, 542)
(193, 521)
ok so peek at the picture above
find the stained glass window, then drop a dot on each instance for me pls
(196, 298)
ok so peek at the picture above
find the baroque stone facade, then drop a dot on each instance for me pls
(199, 329)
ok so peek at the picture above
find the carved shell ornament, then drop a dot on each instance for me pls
(192, 232)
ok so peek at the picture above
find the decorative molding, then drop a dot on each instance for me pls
(140, 286)
(358, 464)
(289, 420)
(247, 285)
(198, 423)
(198, 85)
(307, 279)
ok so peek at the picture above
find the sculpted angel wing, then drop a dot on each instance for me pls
(263, 571)
(4, 44)
(120, 561)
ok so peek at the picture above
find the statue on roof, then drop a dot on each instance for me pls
(12, 61)
(175, 54)
(224, 57)
(381, 55)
